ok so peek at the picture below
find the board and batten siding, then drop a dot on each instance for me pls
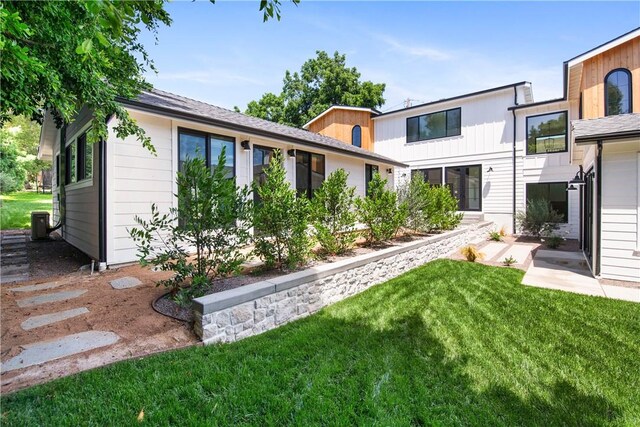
(136, 179)
(620, 211)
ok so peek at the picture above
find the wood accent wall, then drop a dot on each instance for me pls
(338, 124)
(595, 70)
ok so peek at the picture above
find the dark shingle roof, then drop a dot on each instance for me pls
(606, 127)
(176, 105)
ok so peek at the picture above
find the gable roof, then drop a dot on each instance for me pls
(604, 47)
(610, 127)
(169, 104)
(341, 107)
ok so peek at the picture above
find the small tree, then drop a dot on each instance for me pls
(415, 194)
(442, 209)
(332, 213)
(380, 212)
(212, 218)
(281, 220)
(539, 218)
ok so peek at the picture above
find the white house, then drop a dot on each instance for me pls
(107, 183)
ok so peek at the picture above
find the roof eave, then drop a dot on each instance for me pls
(593, 139)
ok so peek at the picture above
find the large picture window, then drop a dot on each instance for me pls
(433, 176)
(194, 144)
(465, 183)
(261, 158)
(617, 92)
(547, 133)
(553, 192)
(309, 173)
(434, 125)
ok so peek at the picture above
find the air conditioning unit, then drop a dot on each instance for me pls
(39, 225)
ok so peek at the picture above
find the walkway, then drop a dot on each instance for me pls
(14, 264)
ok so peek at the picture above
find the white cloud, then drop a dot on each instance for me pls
(414, 50)
(212, 77)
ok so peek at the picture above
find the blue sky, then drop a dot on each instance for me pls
(224, 54)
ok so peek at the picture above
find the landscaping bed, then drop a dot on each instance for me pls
(449, 343)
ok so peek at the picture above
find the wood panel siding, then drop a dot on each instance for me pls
(594, 71)
(338, 123)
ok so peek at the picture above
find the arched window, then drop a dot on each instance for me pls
(617, 95)
(356, 136)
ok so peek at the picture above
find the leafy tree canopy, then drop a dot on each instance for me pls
(59, 56)
(322, 81)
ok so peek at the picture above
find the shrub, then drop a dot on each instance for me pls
(12, 173)
(554, 241)
(539, 219)
(495, 236)
(213, 218)
(442, 209)
(332, 213)
(281, 220)
(380, 212)
(471, 253)
(509, 261)
(415, 195)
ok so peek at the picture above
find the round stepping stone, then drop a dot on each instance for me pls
(47, 319)
(47, 298)
(46, 351)
(125, 283)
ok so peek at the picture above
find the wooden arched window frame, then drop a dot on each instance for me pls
(616, 94)
(356, 136)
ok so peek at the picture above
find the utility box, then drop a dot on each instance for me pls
(39, 225)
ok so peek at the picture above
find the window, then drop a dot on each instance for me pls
(309, 173)
(432, 176)
(464, 182)
(261, 158)
(356, 136)
(85, 158)
(369, 171)
(547, 133)
(434, 125)
(57, 165)
(70, 163)
(617, 92)
(194, 144)
(554, 192)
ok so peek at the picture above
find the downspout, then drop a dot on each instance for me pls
(598, 207)
(102, 203)
(513, 112)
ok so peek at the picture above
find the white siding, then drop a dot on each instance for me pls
(620, 211)
(136, 178)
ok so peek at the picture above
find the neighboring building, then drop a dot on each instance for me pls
(108, 183)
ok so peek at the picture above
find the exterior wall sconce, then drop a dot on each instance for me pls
(490, 169)
(571, 188)
(291, 153)
(579, 178)
(389, 171)
(245, 145)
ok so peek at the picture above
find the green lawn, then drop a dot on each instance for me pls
(451, 343)
(16, 208)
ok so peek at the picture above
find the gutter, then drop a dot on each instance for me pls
(598, 208)
(597, 139)
(250, 130)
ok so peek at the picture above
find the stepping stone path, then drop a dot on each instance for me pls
(33, 288)
(13, 260)
(46, 351)
(125, 283)
(47, 298)
(47, 319)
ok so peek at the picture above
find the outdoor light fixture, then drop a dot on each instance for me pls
(389, 170)
(490, 169)
(245, 145)
(291, 153)
(571, 188)
(579, 178)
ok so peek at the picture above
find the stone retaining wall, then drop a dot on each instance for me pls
(249, 310)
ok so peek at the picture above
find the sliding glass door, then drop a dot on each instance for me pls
(465, 183)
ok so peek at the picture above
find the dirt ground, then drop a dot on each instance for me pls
(126, 312)
(53, 257)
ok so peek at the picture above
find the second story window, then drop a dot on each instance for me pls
(356, 136)
(617, 93)
(547, 133)
(434, 125)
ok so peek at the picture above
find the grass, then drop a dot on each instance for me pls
(16, 208)
(451, 343)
